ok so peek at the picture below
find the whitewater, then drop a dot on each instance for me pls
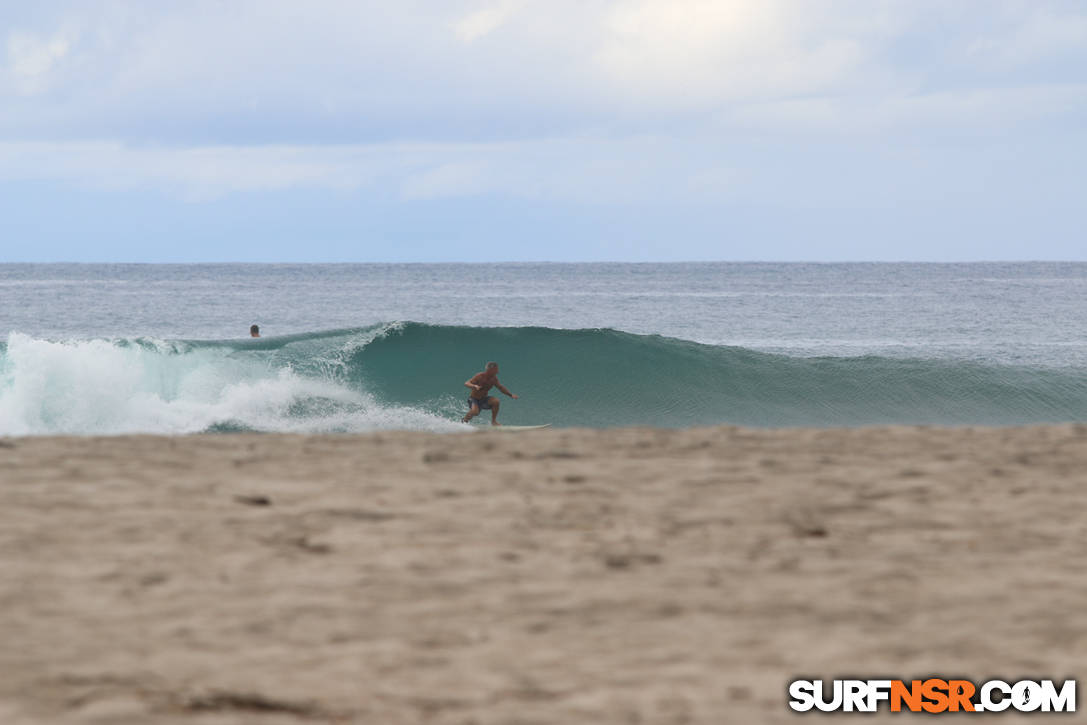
(112, 349)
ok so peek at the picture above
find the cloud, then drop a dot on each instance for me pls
(694, 52)
(635, 102)
(477, 24)
(580, 170)
(32, 57)
(444, 180)
(194, 174)
(1022, 38)
(966, 115)
(276, 72)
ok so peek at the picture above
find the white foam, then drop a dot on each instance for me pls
(105, 388)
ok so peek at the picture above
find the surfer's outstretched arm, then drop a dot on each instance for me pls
(502, 387)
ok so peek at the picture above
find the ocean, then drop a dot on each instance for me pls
(142, 348)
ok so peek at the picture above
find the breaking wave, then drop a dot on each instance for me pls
(410, 376)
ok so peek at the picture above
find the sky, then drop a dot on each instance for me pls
(556, 130)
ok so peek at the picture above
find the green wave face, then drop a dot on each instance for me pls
(602, 378)
(411, 376)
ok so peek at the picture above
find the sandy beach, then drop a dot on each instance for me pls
(561, 576)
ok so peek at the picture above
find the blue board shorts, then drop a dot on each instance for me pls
(484, 404)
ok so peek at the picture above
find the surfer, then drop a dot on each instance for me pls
(480, 384)
(254, 331)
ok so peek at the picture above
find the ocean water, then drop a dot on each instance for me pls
(104, 349)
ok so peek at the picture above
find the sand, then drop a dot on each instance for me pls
(558, 576)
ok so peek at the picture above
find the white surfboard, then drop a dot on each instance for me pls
(518, 427)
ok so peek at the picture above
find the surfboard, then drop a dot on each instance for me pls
(518, 427)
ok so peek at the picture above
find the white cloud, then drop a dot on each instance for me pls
(278, 71)
(603, 102)
(195, 174)
(477, 24)
(586, 170)
(455, 179)
(967, 113)
(1036, 34)
(692, 54)
(32, 57)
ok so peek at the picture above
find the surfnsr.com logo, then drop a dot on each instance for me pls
(932, 696)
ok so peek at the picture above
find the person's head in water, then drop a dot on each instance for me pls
(254, 331)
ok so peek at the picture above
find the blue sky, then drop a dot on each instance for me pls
(268, 130)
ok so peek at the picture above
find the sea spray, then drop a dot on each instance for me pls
(148, 386)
